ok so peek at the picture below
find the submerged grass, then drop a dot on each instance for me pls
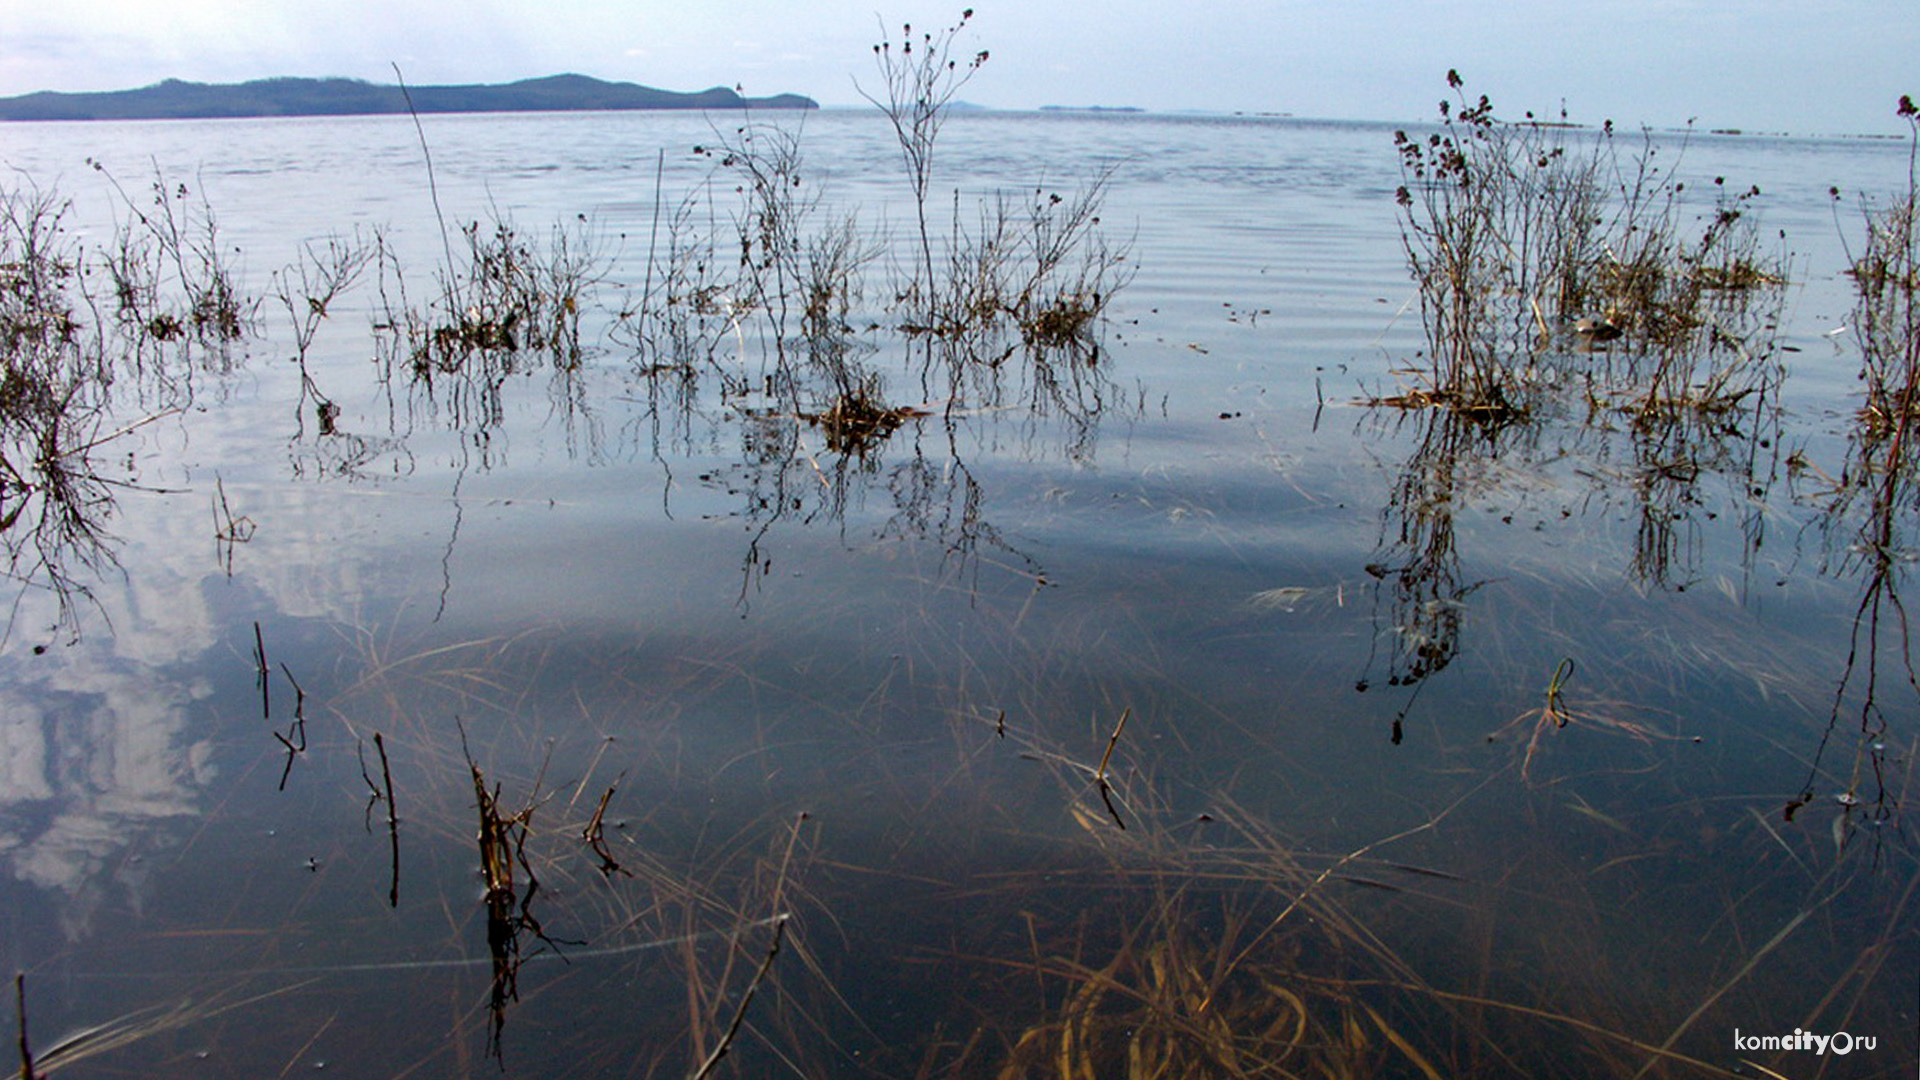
(956, 910)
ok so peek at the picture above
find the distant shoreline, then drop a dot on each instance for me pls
(178, 100)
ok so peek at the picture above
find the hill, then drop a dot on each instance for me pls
(174, 99)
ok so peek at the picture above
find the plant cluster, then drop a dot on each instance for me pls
(169, 272)
(1524, 237)
(1886, 277)
(757, 258)
(508, 295)
(74, 320)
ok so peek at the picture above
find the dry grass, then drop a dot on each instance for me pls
(1522, 236)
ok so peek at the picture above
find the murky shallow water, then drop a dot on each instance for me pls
(877, 694)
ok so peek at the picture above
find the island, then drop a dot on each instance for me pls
(178, 100)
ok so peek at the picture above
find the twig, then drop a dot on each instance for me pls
(27, 1071)
(433, 189)
(260, 663)
(117, 432)
(595, 835)
(740, 1014)
(653, 234)
(298, 730)
(1100, 774)
(393, 821)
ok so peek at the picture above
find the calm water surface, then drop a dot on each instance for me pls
(867, 705)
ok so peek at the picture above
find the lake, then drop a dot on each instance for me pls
(574, 609)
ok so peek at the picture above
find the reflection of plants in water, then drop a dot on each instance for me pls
(1661, 473)
(1516, 233)
(512, 308)
(1672, 457)
(1419, 563)
(88, 333)
(58, 364)
(911, 462)
(1870, 508)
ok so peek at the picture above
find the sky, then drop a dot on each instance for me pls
(1798, 66)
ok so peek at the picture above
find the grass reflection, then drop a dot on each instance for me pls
(1869, 511)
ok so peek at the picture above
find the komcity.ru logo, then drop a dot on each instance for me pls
(1839, 1042)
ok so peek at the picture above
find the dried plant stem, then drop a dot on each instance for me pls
(27, 1071)
(393, 822)
(264, 673)
(1100, 774)
(740, 1014)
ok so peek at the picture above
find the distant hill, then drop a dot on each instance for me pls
(174, 99)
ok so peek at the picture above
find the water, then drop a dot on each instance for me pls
(880, 694)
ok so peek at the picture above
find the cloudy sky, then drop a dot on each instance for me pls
(1804, 66)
